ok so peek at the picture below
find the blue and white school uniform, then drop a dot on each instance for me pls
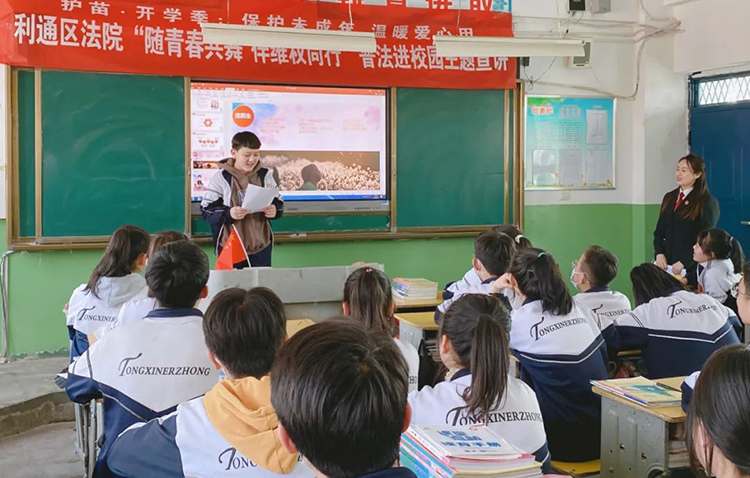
(717, 278)
(677, 333)
(606, 305)
(688, 387)
(559, 357)
(143, 371)
(187, 443)
(412, 361)
(518, 418)
(470, 279)
(90, 314)
(484, 287)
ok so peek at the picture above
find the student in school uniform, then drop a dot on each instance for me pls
(340, 392)
(139, 306)
(561, 350)
(471, 278)
(222, 204)
(675, 329)
(115, 280)
(718, 423)
(592, 273)
(369, 300)
(233, 428)
(474, 345)
(719, 257)
(741, 293)
(493, 252)
(143, 370)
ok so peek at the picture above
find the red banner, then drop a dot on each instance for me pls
(164, 38)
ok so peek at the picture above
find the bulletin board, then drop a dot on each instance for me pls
(569, 143)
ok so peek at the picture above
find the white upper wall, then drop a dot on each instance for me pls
(651, 130)
(716, 35)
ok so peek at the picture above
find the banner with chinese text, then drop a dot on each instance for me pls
(164, 38)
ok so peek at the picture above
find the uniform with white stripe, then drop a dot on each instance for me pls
(217, 199)
(559, 356)
(518, 418)
(143, 370)
(90, 313)
(688, 387)
(462, 289)
(677, 333)
(186, 444)
(470, 279)
(412, 361)
(606, 305)
(717, 278)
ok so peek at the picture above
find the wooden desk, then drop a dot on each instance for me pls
(635, 439)
(425, 305)
(294, 326)
(412, 326)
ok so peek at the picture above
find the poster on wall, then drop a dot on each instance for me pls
(321, 144)
(570, 143)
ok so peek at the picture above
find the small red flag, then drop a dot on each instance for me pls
(232, 253)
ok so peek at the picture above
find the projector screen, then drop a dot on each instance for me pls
(321, 144)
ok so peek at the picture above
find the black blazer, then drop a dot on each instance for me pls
(675, 235)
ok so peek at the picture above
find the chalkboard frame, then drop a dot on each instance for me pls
(513, 195)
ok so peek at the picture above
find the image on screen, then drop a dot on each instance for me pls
(320, 144)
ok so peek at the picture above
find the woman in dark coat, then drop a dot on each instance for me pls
(685, 212)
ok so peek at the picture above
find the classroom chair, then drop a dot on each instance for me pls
(89, 420)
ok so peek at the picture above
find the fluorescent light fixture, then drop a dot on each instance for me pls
(278, 37)
(450, 46)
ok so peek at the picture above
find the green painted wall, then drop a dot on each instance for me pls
(41, 282)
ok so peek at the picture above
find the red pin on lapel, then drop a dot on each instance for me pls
(687, 203)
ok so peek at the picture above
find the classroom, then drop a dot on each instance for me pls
(214, 204)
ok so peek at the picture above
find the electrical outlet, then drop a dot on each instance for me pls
(576, 6)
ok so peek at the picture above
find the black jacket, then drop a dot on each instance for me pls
(676, 235)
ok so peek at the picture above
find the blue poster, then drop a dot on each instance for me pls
(570, 143)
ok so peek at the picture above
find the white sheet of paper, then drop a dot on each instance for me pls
(258, 198)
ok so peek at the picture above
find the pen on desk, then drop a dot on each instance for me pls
(667, 387)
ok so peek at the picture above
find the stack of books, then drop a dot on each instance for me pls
(463, 452)
(414, 288)
(642, 391)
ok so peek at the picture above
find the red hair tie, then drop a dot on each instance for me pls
(368, 270)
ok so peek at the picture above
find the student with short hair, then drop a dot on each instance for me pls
(340, 392)
(368, 298)
(144, 369)
(719, 257)
(676, 330)
(311, 176)
(233, 428)
(115, 280)
(718, 423)
(561, 350)
(493, 252)
(222, 203)
(474, 344)
(592, 273)
(471, 278)
(139, 306)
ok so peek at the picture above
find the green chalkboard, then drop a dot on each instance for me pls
(113, 153)
(450, 159)
(26, 153)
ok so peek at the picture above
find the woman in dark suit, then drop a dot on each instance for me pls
(685, 212)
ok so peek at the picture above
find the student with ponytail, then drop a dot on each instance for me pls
(369, 300)
(675, 329)
(719, 257)
(115, 280)
(561, 350)
(473, 344)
